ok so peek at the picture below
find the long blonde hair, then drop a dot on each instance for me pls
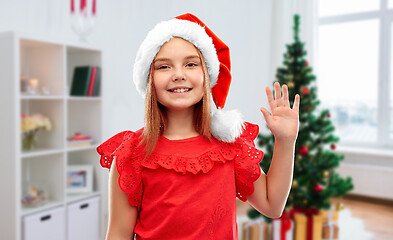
(155, 114)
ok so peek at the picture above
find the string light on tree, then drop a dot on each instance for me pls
(291, 85)
(294, 184)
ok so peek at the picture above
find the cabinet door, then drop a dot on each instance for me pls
(46, 225)
(83, 219)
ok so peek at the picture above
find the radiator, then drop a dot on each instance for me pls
(369, 180)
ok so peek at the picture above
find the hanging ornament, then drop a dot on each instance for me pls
(290, 85)
(318, 188)
(328, 115)
(303, 150)
(325, 174)
(305, 91)
(307, 64)
(333, 146)
(294, 184)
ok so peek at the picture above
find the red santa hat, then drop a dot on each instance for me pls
(226, 125)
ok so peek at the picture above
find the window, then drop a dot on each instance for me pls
(354, 75)
(339, 7)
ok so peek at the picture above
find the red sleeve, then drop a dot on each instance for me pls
(122, 146)
(247, 169)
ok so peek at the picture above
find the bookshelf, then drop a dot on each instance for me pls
(51, 62)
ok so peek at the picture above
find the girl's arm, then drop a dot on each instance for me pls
(122, 216)
(271, 191)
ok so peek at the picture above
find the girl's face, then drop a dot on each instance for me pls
(178, 75)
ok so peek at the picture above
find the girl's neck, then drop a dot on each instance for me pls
(180, 124)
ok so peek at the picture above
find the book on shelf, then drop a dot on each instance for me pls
(86, 81)
(79, 143)
(96, 88)
(79, 140)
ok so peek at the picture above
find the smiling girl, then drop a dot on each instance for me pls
(178, 177)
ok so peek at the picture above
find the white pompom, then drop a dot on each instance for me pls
(227, 126)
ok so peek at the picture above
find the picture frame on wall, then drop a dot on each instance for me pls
(79, 179)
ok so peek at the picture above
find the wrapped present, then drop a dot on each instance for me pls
(308, 223)
(256, 230)
(334, 215)
(282, 228)
(330, 227)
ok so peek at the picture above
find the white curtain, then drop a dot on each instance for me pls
(282, 30)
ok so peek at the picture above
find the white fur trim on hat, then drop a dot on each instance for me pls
(227, 126)
(163, 32)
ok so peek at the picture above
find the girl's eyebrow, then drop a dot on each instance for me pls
(167, 59)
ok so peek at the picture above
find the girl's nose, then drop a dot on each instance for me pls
(178, 75)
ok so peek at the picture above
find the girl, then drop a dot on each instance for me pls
(177, 178)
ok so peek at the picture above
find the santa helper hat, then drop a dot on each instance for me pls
(226, 125)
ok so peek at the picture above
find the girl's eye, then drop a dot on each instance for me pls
(163, 67)
(191, 65)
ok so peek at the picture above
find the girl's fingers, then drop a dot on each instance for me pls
(270, 99)
(266, 114)
(278, 97)
(286, 97)
(277, 90)
(296, 103)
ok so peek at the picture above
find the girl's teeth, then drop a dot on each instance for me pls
(181, 90)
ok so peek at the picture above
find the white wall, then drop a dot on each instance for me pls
(245, 26)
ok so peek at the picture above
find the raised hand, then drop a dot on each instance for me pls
(283, 121)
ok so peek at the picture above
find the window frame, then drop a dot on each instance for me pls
(385, 17)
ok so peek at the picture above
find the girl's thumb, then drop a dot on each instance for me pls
(265, 113)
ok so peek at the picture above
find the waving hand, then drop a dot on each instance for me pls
(283, 121)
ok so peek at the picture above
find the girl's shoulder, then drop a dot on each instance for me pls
(123, 147)
(122, 143)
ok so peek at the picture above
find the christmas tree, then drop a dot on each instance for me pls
(315, 182)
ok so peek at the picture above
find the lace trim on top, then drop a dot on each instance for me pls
(247, 169)
(129, 162)
(203, 163)
(123, 147)
(242, 151)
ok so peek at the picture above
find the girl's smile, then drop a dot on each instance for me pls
(178, 75)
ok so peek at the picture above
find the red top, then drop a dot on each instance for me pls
(186, 189)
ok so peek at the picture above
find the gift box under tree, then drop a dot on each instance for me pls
(256, 230)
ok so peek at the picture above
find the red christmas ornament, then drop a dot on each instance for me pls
(333, 146)
(328, 115)
(305, 90)
(318, 188)
(303, 150)
(307, 64)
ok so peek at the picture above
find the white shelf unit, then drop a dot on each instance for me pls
(52, 62)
